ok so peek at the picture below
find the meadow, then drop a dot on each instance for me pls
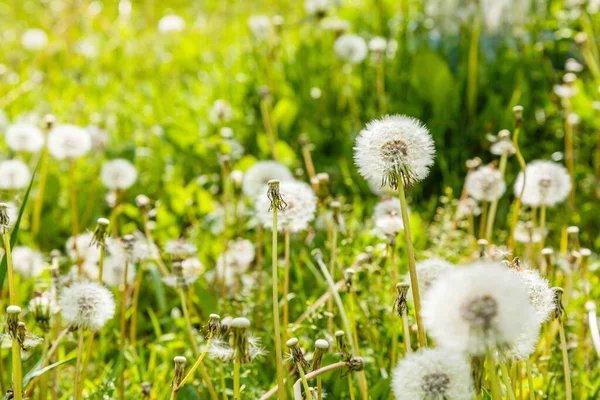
(360, 199)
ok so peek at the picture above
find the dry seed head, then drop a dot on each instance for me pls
(518, 113)
(49, 121)
(342, 346)
(213, 325)
(142, 201)
(239, 327)
(400, 303)
(559, 310)
(4, 218)
(321, 345)
(348, 276)
(296, 354)
(21, 330)
(179, 370)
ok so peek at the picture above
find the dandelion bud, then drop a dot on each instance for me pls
(240, 326)
(275, 197)
(296, 354)
(100, 233)
(348, 276)
(482, 247)
(142, 201)
(12, 319)
(213, 325)
(558, 307)
(321, 345)
(400, 304)
(4, 218)
(342, 346)
(518, 113)
(49, 121)
(179, 370)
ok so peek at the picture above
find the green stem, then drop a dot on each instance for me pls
(542, 225)
(77, 382)
(286, 283)
(530, 380)
(304, 381)
(407, 345)
(123, 329)
(274, 281)
(482, 220)
(565, 355)
(517, 203)
(472, 68)
(12, 292)
(39, 201)
(506, 378)
(494, 206)
(236, 379)
(196, 365)
(414, 281)
(493, 377)
(332, 263)
(17, 381)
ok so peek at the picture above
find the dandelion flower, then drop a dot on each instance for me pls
(260, 26)
(220, 112)
(27, 262)
(389, 226)
(24, 137)
(394, 148)
(14, 174)
(118, 174)
(541, 295)
(69, 142)
(171, 24)
(34, 39)
(472, 309)
(258, 175)
(547, 184)
(428, 272)
(485, 184)
(351, 48)
(301, 205)
(432, 374)
(87, 305)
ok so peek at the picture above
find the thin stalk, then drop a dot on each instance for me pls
(363, 380)
(506, 378)
(73, 192)
(565, 355)
(303, 379)
(161, 265)
(309, 376)
(134, 307)
(414, 281)
(286, 283)
(274, 281)
(196, 350)
(265, 112)
(86, 361)
(196, 365)
(494, 206)
(39, 201)
(236, 379)
(223, 385)
(542, 225)
(101, 264)
(308, 162)
(2, 383)
(482, 220)
(351, 387)
(17, 380)
(472, 68)
(530, 379)
(493, 377)
(332, 262)
(123, 329)
(12, 292)
(517, 203)
(45, 363)
(407, 346)
(78, 363)
(569, 154)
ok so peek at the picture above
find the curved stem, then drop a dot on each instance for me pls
(566, 367)
(414, 281)
(196, 365)
(304, 381)
(78, 364)
(309, 376)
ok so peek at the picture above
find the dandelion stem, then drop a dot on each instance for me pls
(12, 292)
(78, 363)
(493, 376)
(472, 68)
(407, 345)
(542, 225)
(565, 355)
(274, 281)
(482, 220)
(134, 307)
(494, 205)
(286, 283)
(161, 265)
(517, 203)
(304, 381)
(39, 201)
(16, 370)
(265, 111)
(530, 379)
(309, 376)
(196, 350)
(196, 365)
(236, 379)
(414, 282)
(75, 222)
(506, 378)
(350, 387)
(123, 328)
(332, 262)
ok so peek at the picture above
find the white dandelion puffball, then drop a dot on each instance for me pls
(525, 345)
(171, 24)
(523, 234)
(432, 374)
(351, 48)
(503, 146)
(258, 176)
(474, 308)
(180, 249)
(34, 39)
(260, 26)
(389, 207)
(27, 262)
(485, 184)
(541, 295)
(546, 184)
(69, 142)
(317, 7)
(234, 262)
(299, 211)
(388, 217)
(392, 149)
(118, 174)
(378, 44)
(14, 174)
(24, 137)
(220, 112)
(389, 226)
(428, 272)
(466, 207)
(87, 305)
(335, 24)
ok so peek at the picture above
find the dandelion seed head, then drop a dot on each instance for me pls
(118, 174)
(87, 305)
(258, 176)
(24, 137)
(171, 24)
(394, 149)
(525, 345)
(428, 271)
(34, 39)
(220, 112)
(301, 205)
(547, 184)
(9, 213)
(69, 142)
(260, 27)
(540, 293)
(336, 24)
(485, 184)
(468, 206)
(317, 7)
(477, 307)
(180, 249)
(526, 234)
(14, 175)
(378, 44)
(29, 263)
(572, 65)
(565, 91)
(351, 48)
(432, 374)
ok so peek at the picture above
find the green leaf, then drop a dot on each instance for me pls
(35, 372)
(15, 231)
